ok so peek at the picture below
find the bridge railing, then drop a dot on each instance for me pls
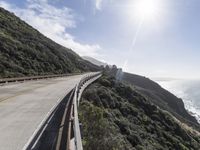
(21, 79)
(67, 134)
(76, 143)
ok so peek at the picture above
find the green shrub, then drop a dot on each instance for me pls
(128, 121)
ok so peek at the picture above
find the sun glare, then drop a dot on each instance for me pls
(146, 9)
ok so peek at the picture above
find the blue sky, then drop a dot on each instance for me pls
(166, 45)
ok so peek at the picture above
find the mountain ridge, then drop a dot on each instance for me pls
(165, 99)
(156, 94)
(26, 52)
(135, 102)
(125, 119)
(94, 61)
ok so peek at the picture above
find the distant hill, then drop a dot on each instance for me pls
(124, 119)
(94, 61)
(25, 52)
(156, 94)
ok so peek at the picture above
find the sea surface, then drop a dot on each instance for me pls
(188, 91)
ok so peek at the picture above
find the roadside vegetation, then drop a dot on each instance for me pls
(115, 116)
(26, 52)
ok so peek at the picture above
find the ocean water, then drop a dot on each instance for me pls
(188, 90)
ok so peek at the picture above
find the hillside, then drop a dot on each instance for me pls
(159, 96)
(94, 61)
(115, 116)
(156, 94)
(26, 52)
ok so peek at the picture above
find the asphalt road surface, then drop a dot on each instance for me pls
(23, 106)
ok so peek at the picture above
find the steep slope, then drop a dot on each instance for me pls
(156, 94)
(24, 51)
(114, 116)
(159, 96)
(94, 61)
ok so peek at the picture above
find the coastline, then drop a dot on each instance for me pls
(187, 91)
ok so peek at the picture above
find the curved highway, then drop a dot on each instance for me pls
(23, 106)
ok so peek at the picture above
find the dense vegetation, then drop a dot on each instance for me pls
(156, 94)
(116, 116)
(159, 96)
(24, 51)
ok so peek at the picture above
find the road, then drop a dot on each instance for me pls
(23, 106)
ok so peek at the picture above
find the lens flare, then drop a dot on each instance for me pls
(146, 10)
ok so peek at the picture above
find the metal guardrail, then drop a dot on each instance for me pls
(34, 142)
(66, 134)
(76, 144)
(8, 80)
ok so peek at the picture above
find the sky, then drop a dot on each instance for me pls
(158, 38)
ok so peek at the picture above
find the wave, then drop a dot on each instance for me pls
(188, 91)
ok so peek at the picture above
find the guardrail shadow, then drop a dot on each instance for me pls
(61, 128)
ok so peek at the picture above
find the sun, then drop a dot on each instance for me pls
(146, 9)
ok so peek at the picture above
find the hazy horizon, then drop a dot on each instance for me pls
(154, 38)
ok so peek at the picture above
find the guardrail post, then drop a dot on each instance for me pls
(79, 89)
(72, 131)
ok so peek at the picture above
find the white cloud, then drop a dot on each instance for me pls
(53, 23)
(5, 5)
(98, 4)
